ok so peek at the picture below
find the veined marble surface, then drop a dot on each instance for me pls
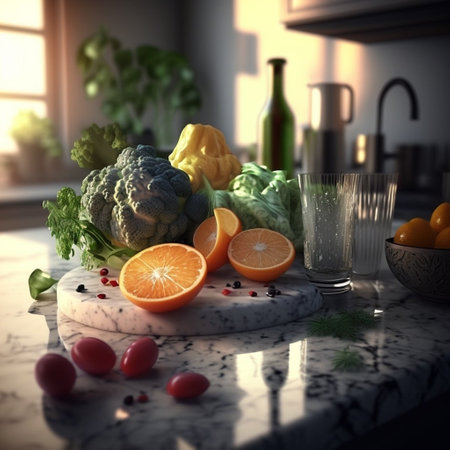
(270, 388)
(211, 312)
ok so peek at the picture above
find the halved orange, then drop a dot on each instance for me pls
(213, 235)
(163, 277)
(261, 254)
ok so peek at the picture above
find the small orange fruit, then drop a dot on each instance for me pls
(443, 239)
(261, 254)
(440, 218)
(416, 233)
(212, 236)
(163, 277)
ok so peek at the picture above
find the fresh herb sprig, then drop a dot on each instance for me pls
(346, 325)
(347, 359)
(71, 230)
(342, 325)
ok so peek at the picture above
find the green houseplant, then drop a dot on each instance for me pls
(135, 81)
(37, 142)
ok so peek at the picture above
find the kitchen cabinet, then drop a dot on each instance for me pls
(368, 20)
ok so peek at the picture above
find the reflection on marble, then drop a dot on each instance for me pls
(270, 388)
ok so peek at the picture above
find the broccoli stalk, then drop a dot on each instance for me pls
(70, 229)
(99, 147)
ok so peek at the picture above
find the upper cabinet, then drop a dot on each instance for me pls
(368, 20)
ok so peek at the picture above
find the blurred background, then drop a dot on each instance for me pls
(45, 106)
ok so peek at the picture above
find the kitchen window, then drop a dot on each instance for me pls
(26, 74)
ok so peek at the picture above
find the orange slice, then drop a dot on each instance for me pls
(163, 277)
(261, 254)
(213, 235)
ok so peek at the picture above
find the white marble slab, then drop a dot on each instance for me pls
(211, 312)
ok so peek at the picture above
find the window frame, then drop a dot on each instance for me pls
(49, 34)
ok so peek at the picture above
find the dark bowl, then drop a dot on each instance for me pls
(425, 271)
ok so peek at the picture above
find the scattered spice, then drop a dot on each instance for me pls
(104, 280)
(101, 296)
(236, 284)
(272, 291)
(114, 283)
(252, 293)
(80, 288)
(226, 292)
(128, 400)
(142, 398)
(104, 271)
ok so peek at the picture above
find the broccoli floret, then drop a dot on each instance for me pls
(99, 147)
(141, 200)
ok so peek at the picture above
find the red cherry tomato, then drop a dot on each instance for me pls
(187, 385)
(55, 374)
(93, 356)
(139, 357)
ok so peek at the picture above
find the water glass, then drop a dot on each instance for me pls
(375, 201)
(328, 210)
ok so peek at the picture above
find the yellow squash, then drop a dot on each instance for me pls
(202, 150)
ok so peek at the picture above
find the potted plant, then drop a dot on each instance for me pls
(37, 143)
(136, 81)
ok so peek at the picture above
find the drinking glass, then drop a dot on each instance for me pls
(328, 211)
(375, 201)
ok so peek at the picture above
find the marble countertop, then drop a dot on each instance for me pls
(271, 388)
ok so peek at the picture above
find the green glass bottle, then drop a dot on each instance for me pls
(276, 130)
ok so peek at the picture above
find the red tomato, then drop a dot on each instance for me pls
(93, 356)
(55, 374)
(139, 357)
(187, 385)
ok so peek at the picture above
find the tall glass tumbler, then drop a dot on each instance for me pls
(374, 210)
(328, 212)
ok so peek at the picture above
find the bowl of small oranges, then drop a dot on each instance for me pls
(419, 254)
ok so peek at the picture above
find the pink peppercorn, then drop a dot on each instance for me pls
(101, 296)
(104, 271)
(114, 283)
(104, 280)
(226, 292)
(142, 398)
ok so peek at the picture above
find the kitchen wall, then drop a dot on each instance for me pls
(229, 42)
(246, 33)
(134, 22)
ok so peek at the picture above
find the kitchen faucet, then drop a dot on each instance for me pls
(413, 116)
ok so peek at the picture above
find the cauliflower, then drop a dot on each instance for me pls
(99, 146)
(141, 200)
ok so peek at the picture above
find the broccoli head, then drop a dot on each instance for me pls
(99, 147)
(142, 200)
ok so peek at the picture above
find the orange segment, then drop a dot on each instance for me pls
(163, 277)
(213, 236)
(261, 254)
(440, 218)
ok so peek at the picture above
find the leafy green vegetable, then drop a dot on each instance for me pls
(39, 281)
(99, 147)
(67, 225)
(343, 325)
(263, 198)
(347, 359)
